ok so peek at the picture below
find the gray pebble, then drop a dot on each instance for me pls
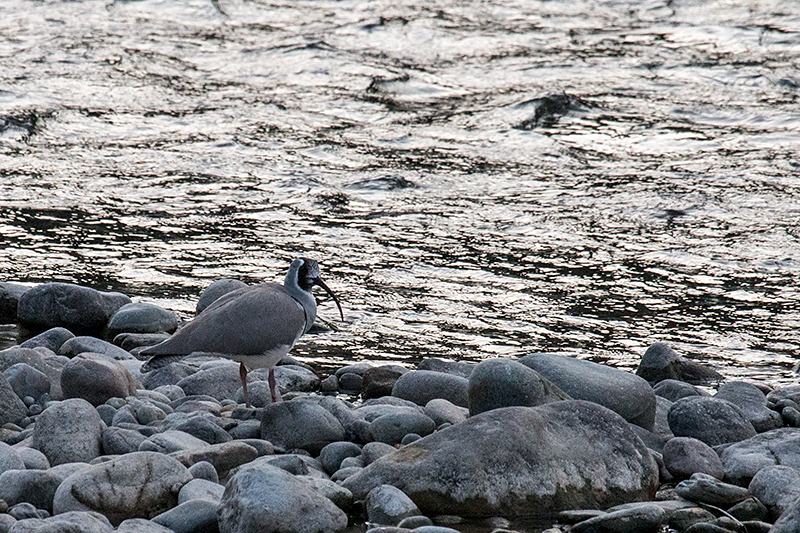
(204, 470)
(388, 505)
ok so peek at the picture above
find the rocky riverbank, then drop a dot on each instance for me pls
(91, 443)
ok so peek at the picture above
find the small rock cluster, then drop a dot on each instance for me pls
(89, 443)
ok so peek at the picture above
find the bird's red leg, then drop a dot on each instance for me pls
(272, 385)
(243, 375)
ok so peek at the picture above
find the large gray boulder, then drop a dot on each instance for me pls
(744, 459)
(10, 293)
(79, 309)
(710, 420)
(661, 362)
(265, 499)
(753, 404)
(776, 487)
(69, 432)
(71, 522)
(27, 381)
(220, 382)
(500, 382)
(96, 378)
(517, 461)
(622, 392)
(300, 424)
(141, 317)
(84, 343)
(36, 487)
(11, 407)
(135, 485)
(422, 386)
(52, 339)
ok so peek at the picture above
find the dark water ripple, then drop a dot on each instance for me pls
(477, 179)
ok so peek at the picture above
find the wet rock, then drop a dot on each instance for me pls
(96, 378)
(753, 404)
(641, 519)
(67, 523)
(78, 309)
(12, 409)
(10, 293)
(491, 463)
(388, 505)
(142, 317)
(456, 368)
(69, 431)
(119, 441)
(218, 288)
(78, 345)
(673, 390)
(378, 381)
(661, 362)
(27, 381)
(36, 487)
(300, 424)
(422, 386)
(391, 428)
(10, 459)
(136, 485)
(622, 392)
(684, 456)
(332, 455)
(708, 489)
(52, 339)
(776, 487)
(220, 382)
(223, 457)
(194, 516)
(265, 499)
(201, 489)
(710, 420)
(443, 412)
(351, 383)
(499, 382)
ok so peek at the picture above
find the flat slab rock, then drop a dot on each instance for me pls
(516, 461)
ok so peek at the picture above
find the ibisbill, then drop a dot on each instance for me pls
(255, 326)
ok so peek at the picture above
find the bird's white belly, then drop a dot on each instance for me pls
(265, 360)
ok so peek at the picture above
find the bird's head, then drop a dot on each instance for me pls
(308, 276)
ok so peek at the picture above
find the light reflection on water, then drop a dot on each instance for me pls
(151, 147)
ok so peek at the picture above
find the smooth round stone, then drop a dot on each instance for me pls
(24, 510)
(193, 516)
(340, 496)
(372, 451)
(378, 381)
(708, 489)
(347, 462)
(246, 429)
(132, 341)
(171, 441)
(201, 489)
(455, 368)
(409, 438)
(683, 519)
(496, 383)
(289, 378)
(36, 487)
(140, 317)
(218, 288)
(349, 382)
(33, 459)
(224, 456)
(147, 413)
(258, 392)
(263, 447)
(204, 429)
(388, 505)
(673, 390)
(96, 378)
(642, 519)
(6, 521)
(789, 520)
(371, 412)
(300, 424)
(776, 487)
(791, 416)
(52, 339)
(140, 525)
(710, 420)
(332, 455)
(219, 382)
(329, 385)
(83, 344)
(749, 509)
(684, 456)
(172, 392)
(107, 413)
(124, 415)
(119, 441)
(265, 499)
(422, 386)
(171, 374)
(10, 459)
(205, 471)
(443, 412)
(10, 293)
(12, 408)
(391, 428)
(344, 473)
(414, 522)
(78, 309)
(135, 485)
(753, 404)
(27, 381)
(69, 431)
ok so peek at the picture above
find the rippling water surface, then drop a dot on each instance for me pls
(476, 178)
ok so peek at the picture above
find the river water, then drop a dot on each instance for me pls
(477, 179)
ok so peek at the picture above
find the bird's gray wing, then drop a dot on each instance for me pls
(252, 322)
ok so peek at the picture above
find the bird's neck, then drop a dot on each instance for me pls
(303, 297)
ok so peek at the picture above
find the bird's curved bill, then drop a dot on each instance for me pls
(321, 283)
